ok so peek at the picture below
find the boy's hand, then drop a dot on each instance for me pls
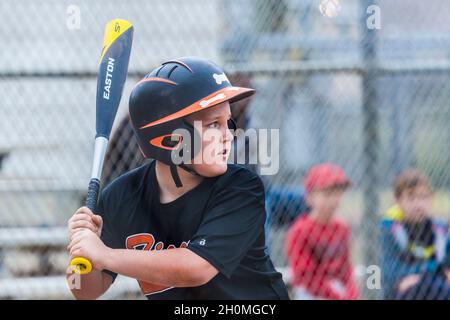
(84, 218)
(85, 243)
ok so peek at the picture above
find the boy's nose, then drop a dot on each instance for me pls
(227, 136)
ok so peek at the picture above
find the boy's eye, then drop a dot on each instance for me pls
(213, 125)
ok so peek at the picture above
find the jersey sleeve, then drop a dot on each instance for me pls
(109, 235)
(232, 223)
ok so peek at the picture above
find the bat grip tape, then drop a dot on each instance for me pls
(92, 194)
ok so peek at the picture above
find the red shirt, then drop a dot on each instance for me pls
(319, 258)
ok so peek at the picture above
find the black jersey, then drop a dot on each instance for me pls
(222, 220)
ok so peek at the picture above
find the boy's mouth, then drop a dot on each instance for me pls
(223, 152)
(224, 155)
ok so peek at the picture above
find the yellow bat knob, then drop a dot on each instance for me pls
(81, 265)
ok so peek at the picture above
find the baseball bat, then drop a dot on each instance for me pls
(112, 73)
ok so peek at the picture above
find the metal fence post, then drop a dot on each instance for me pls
(370, 146)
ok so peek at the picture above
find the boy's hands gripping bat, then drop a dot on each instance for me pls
(110, 81)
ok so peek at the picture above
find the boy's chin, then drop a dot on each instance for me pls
(214, 170)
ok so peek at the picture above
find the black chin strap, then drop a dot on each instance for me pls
(176, 177)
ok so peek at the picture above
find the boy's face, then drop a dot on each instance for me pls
(326, 201)
(416, 203)
(216, 139)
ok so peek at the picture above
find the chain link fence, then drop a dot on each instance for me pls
(362, 84)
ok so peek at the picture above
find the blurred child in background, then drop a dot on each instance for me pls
(318, 244)
(415, 245)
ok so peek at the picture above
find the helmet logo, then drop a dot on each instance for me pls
(168, 141)
(220, 78)
(205, 103)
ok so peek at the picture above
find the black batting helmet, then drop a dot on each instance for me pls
(160, 102)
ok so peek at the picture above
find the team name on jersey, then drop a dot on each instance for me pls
(146, 241)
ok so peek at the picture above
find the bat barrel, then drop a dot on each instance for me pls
(112, 73)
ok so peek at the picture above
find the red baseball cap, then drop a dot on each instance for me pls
(325, 175)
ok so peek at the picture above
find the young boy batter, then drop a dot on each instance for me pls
(184, 230)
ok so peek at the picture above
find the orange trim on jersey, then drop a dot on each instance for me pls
(213, 99)
(184, 244)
